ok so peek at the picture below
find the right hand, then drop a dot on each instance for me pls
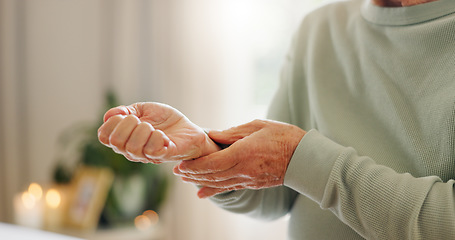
(153, 132)
(258, 157)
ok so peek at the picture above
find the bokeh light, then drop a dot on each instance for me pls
(35, 190)
(28, 200)
(147, 220)
(142, 223)
(152, 216)
(53, 198)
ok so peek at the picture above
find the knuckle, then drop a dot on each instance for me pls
(258, 122)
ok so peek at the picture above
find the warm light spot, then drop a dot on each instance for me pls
(142, 222)
(53, 198)
(28, 200)
(152, 216)
(35, 190)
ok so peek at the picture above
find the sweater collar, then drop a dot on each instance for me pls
(400, 16)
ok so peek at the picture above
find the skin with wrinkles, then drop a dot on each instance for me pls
(258, 158)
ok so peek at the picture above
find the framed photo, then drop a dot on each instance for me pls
(89, 189)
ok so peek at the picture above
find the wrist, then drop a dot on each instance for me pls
(295, 138)
(210, 146)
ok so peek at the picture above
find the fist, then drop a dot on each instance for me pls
(153, 132)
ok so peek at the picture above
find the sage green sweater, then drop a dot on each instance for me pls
(375, 88)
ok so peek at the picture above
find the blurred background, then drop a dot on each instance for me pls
(64, 62)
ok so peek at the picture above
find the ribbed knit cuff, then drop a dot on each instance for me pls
(310, 166)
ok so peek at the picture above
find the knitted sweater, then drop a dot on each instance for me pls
(375, 87)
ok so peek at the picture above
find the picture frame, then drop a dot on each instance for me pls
(88, 192)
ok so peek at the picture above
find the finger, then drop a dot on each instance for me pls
(206, 192)
(210, 177)
(138, 139)
(215, 162)
(234, 134)
(105, 131)
(156, 146)
(229, 183)
(122, 132)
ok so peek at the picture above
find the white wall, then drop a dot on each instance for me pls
(50, 78)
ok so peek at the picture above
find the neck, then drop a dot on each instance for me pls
(399, 3)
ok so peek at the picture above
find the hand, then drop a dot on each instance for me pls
(258, 158)
(153, 132)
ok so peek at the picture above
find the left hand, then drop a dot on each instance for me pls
(258, 158)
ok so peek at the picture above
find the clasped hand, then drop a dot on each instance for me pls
(153, 132)
(258, 155)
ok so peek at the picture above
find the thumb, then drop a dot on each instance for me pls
(224, 137)
(231, 135)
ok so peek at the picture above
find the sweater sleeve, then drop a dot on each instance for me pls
(265, 204)
(372, 199)
(271, 203)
